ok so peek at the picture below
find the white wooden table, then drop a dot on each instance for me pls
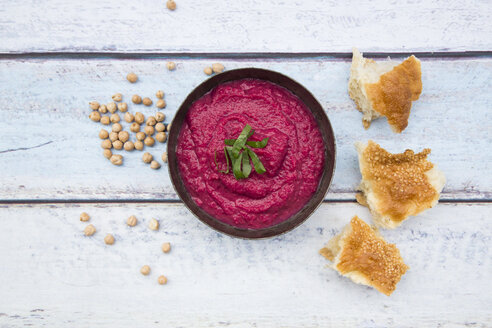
(58, 55)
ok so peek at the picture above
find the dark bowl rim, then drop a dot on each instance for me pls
(324, 126)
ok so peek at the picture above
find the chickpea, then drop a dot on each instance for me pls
(84, 217)
(164, 157)
(159, 127)
(161, 103)
(159, 94)
(155, 165)
(208, 70)
(168, 127)
(117, 144)
(147, 101)
(138, 145)
(95, 116)
(94, 105)
(140, 136)
(103, 134)
(116, 127)
(103, 109)
(123, 136)
(132, 77)
(153, 224)
(113, 136)
(132, 221)
(147, 157)
(89, 230)
(151, 121)
(217, 68)
(149, 141)
(136, 99)
(135, 127)
(171, 65)
(161, 137)
(149, 130)
(145, 270)
(122, 107)
(171, 5)
(128, 117)
(160, 117)
(139, 118)
(166, 247)
(162, 280)
(111, 107)
(107, 153)
(117, 97)
(115, 118)
(116, 159)
(129, 146)
(109, 239)
(105, 120)
(106, 144)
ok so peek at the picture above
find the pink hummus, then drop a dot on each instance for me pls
(293, 157)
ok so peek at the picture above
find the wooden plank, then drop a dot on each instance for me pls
(245, 26)
(50, 150)
(54, 276)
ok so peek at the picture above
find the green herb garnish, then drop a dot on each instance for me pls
(239, 152)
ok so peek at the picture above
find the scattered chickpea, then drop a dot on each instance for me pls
(147, 157)
(128, 117)
(151, 121)
(161, 137)
(208, 70)
(123, 136)
(129, 146)
(147, 101)
(84, 217)
(115, 118)
(149, 130)
(145, 270)
(149, 141)
(136, 99)
(153, 224)
(160, 117)
(107, 153)
(140, 136)
(111, 107)
(162, 280)
(161, 103)
(113, 136)
(95, 116)
(116, 159)
(117, 97)
(116, 127)
(94, 105)
(169, 127)
(166, 247)
(89, 230)
(106, 144)
(159, 94)
(217, 68)
(103, 134)
(171, 5)
(135, 127)
(109, 239)
(103, 109)
(155, 165)
(159, 127)
(122, 107)
(105, 120)
(164, 157)
(132, 221)
(139, 145)
(171, 65)
(139, 118)
(117, 144)
(132, 77)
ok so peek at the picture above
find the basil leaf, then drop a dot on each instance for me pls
(241, 141)
(258, 144)
(236, 166)
(227, 162)
(229, 142)
(259, 168)
(246, 164)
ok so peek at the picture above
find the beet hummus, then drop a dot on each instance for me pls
(293, 157)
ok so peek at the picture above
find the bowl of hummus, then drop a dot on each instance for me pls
(251, 153)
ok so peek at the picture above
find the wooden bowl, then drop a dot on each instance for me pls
(321, 119)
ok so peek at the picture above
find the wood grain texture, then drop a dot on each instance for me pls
(244, 26)
(54, 276)
(50, 149)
